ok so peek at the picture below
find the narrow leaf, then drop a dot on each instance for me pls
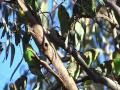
(89, 56)
(7, 48)
(16, 69)
(17, 37)
(64, 19)
(73, 68)
(92, 55)
(12, 53)
(21, 82)
(94, 5)
(79, 30)
(1, 48)
(3, 32)
(43, 16)
(117, 62)
(37, 5)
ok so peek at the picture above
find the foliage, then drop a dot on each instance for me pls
(91, 31)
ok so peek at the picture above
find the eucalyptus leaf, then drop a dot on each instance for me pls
(37, 5)
(79, 34)
(66, 41)
(7, 48)
(1, 47)
(16, 68)
(64, 20)
(3, 32)
(87, 7)
(21, 82)
(12, 53)
(79, 30)
(92, 55)
(117, 62)
(89, 56)
(94, 5)
(77, 43)
(73, 68)
(17, 34)
(44, 15)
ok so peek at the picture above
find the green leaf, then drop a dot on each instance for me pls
(64, 20)
(92, 55)
(88, 55)
(29, 2)
(44, 15)
(117, 62)
(79, 34)
(12, 53)
(94, 5)
(77, 42)
(73, 68)
(37, 5)
(79, 30)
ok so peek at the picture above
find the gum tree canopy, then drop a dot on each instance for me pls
(78, 44)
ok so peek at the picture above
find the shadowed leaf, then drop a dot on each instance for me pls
(1, 48)
(21, 82)
(64, 19)
(7, 49)
(92, 55)
(3, 32)
(73, 68)
(16, 68)
(17, 37)
(12, 53)
(117, 62)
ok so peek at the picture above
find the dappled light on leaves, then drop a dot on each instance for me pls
(75, 44)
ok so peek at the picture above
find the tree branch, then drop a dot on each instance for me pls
(93, 76)
(46, 65)
(48, 49)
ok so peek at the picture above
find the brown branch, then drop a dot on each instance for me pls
(46, 65)
(48, 49)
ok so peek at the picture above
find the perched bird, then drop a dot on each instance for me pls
(31, 58)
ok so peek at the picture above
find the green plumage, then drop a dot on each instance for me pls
(30, 56)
